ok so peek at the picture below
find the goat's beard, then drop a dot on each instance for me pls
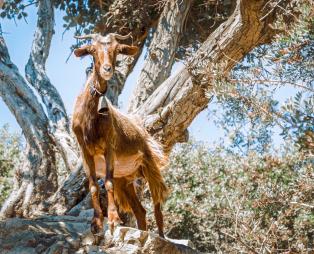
(106, 76)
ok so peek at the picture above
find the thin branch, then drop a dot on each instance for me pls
(302, 204)
(237, 238)
(271, 10)
(261, 81)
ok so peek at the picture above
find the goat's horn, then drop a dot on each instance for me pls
(88, 36)
(121, 37)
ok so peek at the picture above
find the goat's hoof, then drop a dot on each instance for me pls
(98, 238)
(113, 224)
(97, 226)
(113, 220)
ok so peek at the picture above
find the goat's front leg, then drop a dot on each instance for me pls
(113, 217)
(98, 219)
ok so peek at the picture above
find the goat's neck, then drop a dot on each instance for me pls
(97, 81)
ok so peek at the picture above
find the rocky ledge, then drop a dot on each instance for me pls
(71, 234)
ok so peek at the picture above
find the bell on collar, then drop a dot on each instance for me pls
(103, 105)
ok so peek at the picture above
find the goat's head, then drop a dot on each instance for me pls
(104, 50)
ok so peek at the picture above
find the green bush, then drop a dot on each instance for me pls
(10, 156)
(241, 204)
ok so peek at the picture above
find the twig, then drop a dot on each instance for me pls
(35, 2)
(302, 204)
(256, 105)
(265, 16)
(247, 81)
(288, 12)
(240, 240)
(266, 237)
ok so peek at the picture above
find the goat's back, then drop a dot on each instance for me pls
(133, 137)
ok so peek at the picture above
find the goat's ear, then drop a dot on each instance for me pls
(127, 50)
(82, 51)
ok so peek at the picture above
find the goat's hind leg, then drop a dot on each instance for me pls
(137, 208)
(159, 219)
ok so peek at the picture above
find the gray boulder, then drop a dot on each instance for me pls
(71, 234)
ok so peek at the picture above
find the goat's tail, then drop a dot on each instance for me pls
(154, 161)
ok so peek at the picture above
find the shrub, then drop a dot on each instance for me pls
(229, 203)
(10, 156)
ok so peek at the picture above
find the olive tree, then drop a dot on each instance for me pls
(211, 37)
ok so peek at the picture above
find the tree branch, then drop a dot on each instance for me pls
(37, 77)
(39, 151)
(173, 106)
(161, 53)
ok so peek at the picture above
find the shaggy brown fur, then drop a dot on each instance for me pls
(115, 145)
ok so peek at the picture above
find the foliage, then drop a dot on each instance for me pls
(92, 16)
(10, 157)
(136, 16)
(228, 203)
(250, 102)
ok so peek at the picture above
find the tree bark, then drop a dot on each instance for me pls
(161, 53)
(37, 77)
(36, 179)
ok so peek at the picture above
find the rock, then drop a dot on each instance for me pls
(71, 234)
(85, 204)
(130, 240)
(87, 214)
(185, 242)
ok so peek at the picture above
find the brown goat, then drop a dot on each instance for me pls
(114, 144)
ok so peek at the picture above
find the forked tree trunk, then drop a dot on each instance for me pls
(166, 104)
(36, 179)
(170, 109)
(35, 71)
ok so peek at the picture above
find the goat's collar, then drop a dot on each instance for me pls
(94, 91)
(102, 107)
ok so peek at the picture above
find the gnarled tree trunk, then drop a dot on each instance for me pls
(36, 179)
(37, 77)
